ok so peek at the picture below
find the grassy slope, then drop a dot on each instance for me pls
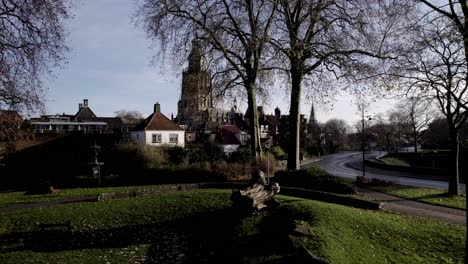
(432, 196)
(395, 161)
(123, 231)
(347, 235)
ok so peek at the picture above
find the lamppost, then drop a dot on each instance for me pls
(267, 148)
(364, 142)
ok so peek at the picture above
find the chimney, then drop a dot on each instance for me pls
(277, 112)
(80, 106)
(85, 102)
(157, 108)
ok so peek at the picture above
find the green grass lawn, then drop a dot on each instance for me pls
(432, 196)
(199, 225)
(12, 198)
(395, 161)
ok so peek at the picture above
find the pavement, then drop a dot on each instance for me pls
(400, 205)
(337, 164)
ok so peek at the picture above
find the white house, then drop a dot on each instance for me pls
(158, 130)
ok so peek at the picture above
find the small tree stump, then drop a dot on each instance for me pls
(255, 197)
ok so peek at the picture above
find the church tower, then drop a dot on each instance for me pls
(312, 120)
(196, 100)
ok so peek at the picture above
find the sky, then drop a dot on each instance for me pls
(110, 64)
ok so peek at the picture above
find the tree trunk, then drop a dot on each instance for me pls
(295, 116)
(454, 174)
(415, 145)
(388, 143)
(255, 147)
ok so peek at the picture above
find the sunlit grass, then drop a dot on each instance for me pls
(431, 196)
(395, 161)
(127, 231)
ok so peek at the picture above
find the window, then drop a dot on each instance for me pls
(189, 137)
(173, 138)
(156, 138)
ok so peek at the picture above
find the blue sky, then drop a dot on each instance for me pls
(110, 64)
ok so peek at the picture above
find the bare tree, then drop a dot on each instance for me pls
(31, 43)
(129, 116)
(234, 33)
(317, 38)
(436, 69)
(398, 124)
(384, 130)
(416, 112)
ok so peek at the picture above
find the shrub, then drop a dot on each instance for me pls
(233, 171)
(214, 152)
(317, 171)
(364, 181)
(196, 155)
(176, 155)
(279, 153)
(242, 155)
(130, 158)
(314, 179)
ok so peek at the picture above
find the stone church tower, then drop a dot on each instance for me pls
(196, 100)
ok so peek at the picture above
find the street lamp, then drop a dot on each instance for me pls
(267, 147)
(364, 142)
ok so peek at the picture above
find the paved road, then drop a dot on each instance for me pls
(338, 165)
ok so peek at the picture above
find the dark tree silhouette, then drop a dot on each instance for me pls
(32, 42)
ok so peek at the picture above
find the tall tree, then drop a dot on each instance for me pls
(435, 67)
(335, 131)
(234, 33)
(320, 37)
(32, 41)
(383, 129)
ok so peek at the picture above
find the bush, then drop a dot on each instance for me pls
(196, 155)
(364, 181)
(233, 171)
(315, 179)
(317, 171)
(131, 158)
(242, 155)
(279, 153)
(176, 155)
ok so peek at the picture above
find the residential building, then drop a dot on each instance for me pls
(158, 130)
(84, 121)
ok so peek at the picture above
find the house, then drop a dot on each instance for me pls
(231, 138)
(158, 130)
(84, 121)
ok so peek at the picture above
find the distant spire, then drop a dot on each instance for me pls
(312, 119)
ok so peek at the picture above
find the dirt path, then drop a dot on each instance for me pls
(397, 204)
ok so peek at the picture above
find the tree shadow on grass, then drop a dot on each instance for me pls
(221, 236)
